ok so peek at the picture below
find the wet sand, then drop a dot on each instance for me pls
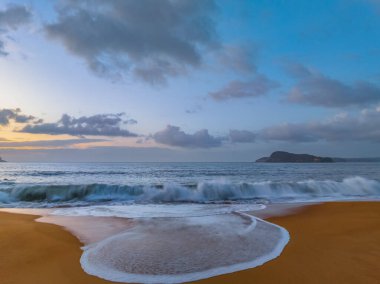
(329, 243)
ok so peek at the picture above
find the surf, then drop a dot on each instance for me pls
(218, 191)
(177, 250)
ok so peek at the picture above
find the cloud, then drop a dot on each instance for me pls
(194, 109)
(241, 136)
(12, 18)
(174, 136)
(314, 88)
(8, 115)
(258, 86)
(153, 40)
(96, 125)
(343, 127)
(290, 132)
(47, 143)
(239, 57)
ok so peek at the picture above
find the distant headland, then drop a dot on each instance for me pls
(2, 161)
(286, 157)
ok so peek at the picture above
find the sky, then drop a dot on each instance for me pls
(188, 80)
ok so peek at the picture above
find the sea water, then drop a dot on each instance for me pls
(78, 184)
(190, 220)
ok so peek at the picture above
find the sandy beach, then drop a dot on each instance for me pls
(35, 252)
(330, 243)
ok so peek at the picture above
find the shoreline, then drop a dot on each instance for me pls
(333, 242)
(92, 229)
(319, 251)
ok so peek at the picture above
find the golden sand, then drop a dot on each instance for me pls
(38, 253)
(330, 243)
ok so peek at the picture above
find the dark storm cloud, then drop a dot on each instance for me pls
(11, 18)
(363, 127)
(241, 136)
(258, 86)
(314, 88)
(8, 115)
(174, 136)
(97, 125)
(151, 39)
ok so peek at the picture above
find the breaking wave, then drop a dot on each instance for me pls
(203, 192)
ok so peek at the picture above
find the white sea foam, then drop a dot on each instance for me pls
(176, 250)
(175, 243)
(156, 210)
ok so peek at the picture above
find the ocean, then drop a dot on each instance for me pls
(190, 220)
(83, 184)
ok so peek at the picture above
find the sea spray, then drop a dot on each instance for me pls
(26, 195)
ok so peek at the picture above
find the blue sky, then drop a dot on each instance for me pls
(195, 80)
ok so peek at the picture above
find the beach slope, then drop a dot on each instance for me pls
(330, 243)
(33, 252)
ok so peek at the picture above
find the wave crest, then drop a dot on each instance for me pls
(203, 192)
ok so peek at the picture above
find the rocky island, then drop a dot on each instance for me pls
(2, 161)
(286, 157)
